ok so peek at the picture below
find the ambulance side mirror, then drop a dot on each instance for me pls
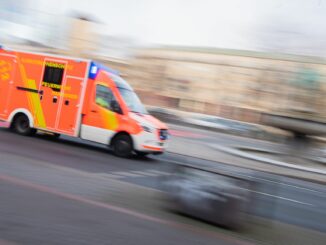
(115, 107)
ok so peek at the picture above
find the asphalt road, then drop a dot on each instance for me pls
(35, 217)
(288, 200)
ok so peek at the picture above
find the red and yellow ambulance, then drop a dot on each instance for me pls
(75, 97)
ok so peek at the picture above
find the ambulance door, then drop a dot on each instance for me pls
(70, 105)
(7, 71)
(51, 92)
(101, 121)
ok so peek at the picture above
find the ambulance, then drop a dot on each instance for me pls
(76, 97)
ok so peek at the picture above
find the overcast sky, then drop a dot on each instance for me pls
(295, 25)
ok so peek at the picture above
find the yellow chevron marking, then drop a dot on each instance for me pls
(33, 98)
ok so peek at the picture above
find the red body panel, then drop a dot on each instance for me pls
(53, 107)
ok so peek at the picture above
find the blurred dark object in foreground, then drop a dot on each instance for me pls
(305, 126)
(214, 197)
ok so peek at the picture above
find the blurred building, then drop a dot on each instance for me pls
(87, 38)
(230, 83)
(81, 39)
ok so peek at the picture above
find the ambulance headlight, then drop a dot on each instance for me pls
(147, 129)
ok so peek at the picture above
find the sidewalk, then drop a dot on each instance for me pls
(208, 151)
(239, 131)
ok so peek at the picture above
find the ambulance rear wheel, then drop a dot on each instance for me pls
(122, 145)
(21, 125)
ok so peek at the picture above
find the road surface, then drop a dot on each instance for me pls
(36, 174)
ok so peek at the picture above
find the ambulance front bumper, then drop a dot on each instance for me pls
(149, 142)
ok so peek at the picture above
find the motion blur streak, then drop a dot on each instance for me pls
(216, 110)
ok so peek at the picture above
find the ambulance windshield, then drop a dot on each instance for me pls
(129, 96)
(132, 101)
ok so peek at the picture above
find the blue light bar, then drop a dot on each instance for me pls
(96, 67)
(93, 70)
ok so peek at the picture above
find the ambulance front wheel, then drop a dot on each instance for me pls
(122, 145)
(21, 125)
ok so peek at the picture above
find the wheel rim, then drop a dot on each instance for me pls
(23, 125)
(122, 147)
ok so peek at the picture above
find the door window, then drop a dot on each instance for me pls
(104, 96)
(53, 75)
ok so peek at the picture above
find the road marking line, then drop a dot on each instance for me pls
(266, 194)
(134, 174)
(280, 183)
(126, 174)
(248, 176)
(108, 176)
(145, 173)
(279, 197)
(159, 173)
(126, 211)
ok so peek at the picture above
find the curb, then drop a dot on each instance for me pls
(276, 163)
(266, 160)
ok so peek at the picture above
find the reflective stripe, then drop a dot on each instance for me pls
(33, 98)
(152, 148)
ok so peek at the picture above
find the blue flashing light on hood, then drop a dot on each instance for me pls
(96, 67)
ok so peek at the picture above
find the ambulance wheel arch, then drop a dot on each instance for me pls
(21, 121)
(21, 111)
(122, 144)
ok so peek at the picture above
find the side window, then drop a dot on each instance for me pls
(104, 96)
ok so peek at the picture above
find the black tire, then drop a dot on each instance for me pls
(141, 153)
(122, 145)
(56, 136)
(51, 136)
(21, 125)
